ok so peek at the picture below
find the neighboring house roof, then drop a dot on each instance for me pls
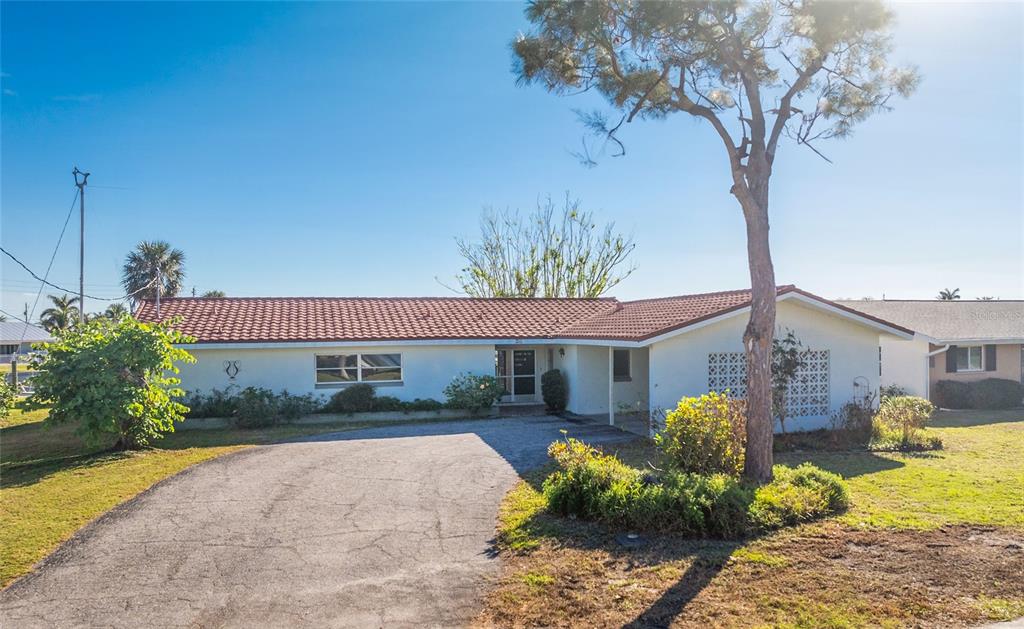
(331, 319)
(12, 332)
(952, 321)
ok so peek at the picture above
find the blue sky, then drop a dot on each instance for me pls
(338, 149)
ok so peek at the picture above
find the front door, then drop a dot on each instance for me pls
(516, 370)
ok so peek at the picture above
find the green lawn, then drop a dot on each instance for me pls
(977, 478)
(932, 539)
(51, 483)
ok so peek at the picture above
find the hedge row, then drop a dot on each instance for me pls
(987, 394)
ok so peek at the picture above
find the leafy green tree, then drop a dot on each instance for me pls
(546, 254)
(113, 378)
(210, 294)
(60, 316)
(787, 360)
(756, 73)
(948, 295)
(152, 270)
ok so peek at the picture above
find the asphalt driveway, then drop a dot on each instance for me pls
(380, 527)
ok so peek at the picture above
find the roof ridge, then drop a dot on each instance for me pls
(359, 298)
(779, 288)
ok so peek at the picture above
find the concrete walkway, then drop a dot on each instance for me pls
(382, 527)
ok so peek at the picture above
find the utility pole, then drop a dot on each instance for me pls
(81, 240)
(159, 286)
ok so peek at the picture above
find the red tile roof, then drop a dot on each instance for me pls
(297, 319)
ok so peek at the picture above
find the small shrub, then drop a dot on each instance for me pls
(472, 392)
(995, 393)
(291, 407)
(219, 403)
(256, 408)
(892, 390)
(797, 495)
(899, 421)
(595, 486)
(952, 394)
(7, 398)
(355, 398)
(705, 434)
(555, 390)
(387, 403)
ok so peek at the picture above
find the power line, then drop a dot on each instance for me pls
(61, 288)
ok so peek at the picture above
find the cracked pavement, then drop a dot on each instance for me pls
(387, 526)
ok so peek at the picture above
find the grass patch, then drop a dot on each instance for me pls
(537, 580)
(933, 539)
(52, 483)
(975, 479)
(1000, 609)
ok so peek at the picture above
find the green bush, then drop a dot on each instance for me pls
(897, 424)
(113, 379)
(427, 404)
(291, 407)
(555, 390)
(387, 403)
(705, 434)
(596, 486)
(797, 495)
(354, 398)
(952, 394)
(995, 393)
(892, 390)
(255, 408)
(472, 392)
(219, 403)
(7, 398)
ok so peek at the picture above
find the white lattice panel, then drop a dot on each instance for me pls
(808, 394)
(727, 371)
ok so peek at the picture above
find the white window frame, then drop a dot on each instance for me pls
(358, 368)
(981, 358)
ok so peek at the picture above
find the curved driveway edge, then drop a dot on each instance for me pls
(386, 526)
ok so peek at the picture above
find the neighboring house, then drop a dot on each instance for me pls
(954, 340)
(617, 356)
(17, 337)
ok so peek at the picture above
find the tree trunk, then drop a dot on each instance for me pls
(757, 339)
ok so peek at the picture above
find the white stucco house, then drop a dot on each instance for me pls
(617, 355)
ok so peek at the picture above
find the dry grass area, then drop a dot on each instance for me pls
(909, 553)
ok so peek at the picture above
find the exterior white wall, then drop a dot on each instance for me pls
(586, 370)
(905, 363)
(679, 365)
(426, 369)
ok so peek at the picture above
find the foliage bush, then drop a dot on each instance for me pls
(892, 390)
(705, 434)
(256, 407)
(113, 378)
(7, 398)
(995, 393)
(555, 390)
(219, 403)
(355, 398)
(797, 495)
(472, 392)
(953, 394)
(898, 424)
(597, 486)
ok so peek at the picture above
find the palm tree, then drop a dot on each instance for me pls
(116, 312)
(62, 315)
(212, 293)
(949, 295)
(152, 270)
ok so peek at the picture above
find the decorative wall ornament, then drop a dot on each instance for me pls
(809, 392)
(231, 368)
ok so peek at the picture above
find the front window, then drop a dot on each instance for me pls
(8, 349)
(343, 368)
(620, 365)
(969, 358)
